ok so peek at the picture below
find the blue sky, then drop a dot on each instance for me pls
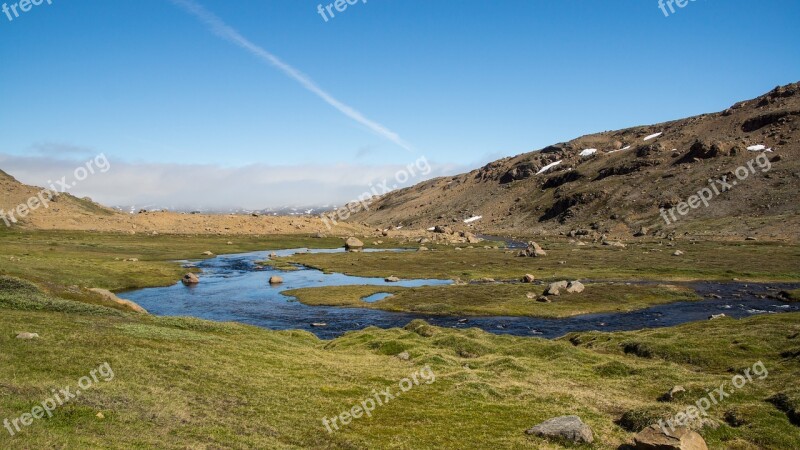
(463, 82)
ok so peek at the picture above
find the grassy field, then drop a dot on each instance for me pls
(185, 383)
(498, 299)
(747, 261)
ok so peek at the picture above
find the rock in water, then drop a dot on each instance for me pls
(392, 279)
(353, 245)
(275, 280)
(655, 437)
(190, 278)
(570, 428)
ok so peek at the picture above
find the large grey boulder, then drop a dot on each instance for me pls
(575, 287)
(655, 437)
(189, 279)
(555, 288)
(570, 428)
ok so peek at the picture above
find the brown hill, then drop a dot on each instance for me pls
(622, 186)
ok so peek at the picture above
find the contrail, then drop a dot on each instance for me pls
(224, 31)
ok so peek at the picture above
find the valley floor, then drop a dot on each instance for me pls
(188, 383)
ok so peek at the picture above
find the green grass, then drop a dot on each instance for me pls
(65, 263)
(246, 387)
(497, 299)
(748, 261)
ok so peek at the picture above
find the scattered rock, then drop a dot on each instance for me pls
(353, 245)
(190, 278)
(534, 250)
(555, 288)
(673, 394)
(392, 279)
(570, 428)
(404, 356)
(575, 287)
(110, 296)
(275, 280)
(531, 295)
(618, 244)
(528, 278)
(656, 438)
(27, 336)
(677, 253)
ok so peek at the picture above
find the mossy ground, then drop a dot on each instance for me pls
(498, 299)
(641, 260)
(245, 387)
(187, 383)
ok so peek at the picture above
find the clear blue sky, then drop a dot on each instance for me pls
(461, 81)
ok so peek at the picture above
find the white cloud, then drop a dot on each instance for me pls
(189, 186)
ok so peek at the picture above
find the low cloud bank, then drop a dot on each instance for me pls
(189, 186)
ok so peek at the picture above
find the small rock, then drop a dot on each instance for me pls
(275, 280)
(531, 295)
(404, 356)
(750, 238)
(528, 278)
(656, 438)
(575, 287)
(570, 428)
(100, 416)
(392, 279)
(208, 253)
(229, 243)
(423, 249)
(717, 316)
(614, 244)
(673, 394)
(28, 336)
(190, 278)
(677, 253)
(458, 249)
(543, 299)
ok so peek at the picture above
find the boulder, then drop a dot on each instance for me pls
(110, 296)
(534, 250)
(423, 249)
(528, 278)
(392, 279)
(190, 278)
(555, 288)
(442, 229)
(575, 287)
(353, 245)
(655, 437)
(717, 316)
(570, 428)
(275, 280)
(27, 336)
(208, 253)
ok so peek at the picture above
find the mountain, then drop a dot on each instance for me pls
(618, 182)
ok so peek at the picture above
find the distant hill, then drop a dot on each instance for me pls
(617, 181)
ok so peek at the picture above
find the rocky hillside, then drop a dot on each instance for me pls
(617, 182)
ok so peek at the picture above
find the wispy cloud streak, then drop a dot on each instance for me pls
(226, 32)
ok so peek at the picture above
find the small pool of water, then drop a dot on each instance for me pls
(234, 288)
(378, 296)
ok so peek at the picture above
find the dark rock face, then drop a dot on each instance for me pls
(559, 180)
(706, 150)
(520, 172)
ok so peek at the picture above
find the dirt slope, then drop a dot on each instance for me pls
(622, 186)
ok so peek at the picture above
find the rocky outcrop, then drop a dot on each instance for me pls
(111, 297)
(655, 437)
(570, 428)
